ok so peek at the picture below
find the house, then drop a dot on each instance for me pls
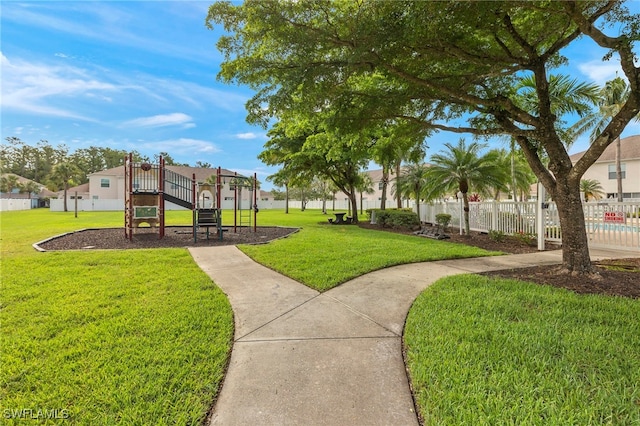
(373, 199)
(604, 169)
(106, 188)
(17, 199)
(80, 191)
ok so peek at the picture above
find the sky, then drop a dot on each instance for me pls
(141, 75)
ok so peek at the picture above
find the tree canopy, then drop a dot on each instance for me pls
(442, 65)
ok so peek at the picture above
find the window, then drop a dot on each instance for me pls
(612, 171)
(104, 183)
(95, 197)
(380, 185)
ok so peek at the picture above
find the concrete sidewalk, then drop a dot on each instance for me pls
(302, 357)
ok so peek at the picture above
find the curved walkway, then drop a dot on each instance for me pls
(309, 358)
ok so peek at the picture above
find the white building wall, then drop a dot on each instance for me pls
(630, 183)
(13, 204)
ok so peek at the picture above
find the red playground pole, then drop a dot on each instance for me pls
(129, 207)
(255, 201)
(161, 195)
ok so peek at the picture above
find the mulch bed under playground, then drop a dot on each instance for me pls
(175, 236)
(617, 277)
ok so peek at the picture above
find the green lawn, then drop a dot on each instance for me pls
(143, 336)
(128, 337)
(323, 256)
(485, 351)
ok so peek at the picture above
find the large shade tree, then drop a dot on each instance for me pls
(440, 61)
(307, 149)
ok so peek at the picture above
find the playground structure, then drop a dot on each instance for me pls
(149, 186)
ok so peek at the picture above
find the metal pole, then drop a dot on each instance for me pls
(255, 201)
(194, 207)
(540, 214)
(130, 189)
(161, 195)
(76, 204)
(235, 200)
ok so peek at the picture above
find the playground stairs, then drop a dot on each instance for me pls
(178, 189)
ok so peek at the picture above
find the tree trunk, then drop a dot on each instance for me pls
(353, 206)
(385, 183)
(398, 195)
(286, 198)
(619, 169)
(465, 202)
(65, 197)
(575, 245)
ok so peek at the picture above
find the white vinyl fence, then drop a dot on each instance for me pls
(11, 204)
(609, 224)
(57, 205)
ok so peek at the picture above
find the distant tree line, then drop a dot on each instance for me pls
(58, 167)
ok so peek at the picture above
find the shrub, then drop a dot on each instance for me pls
(497, 235)
(526, 238)
(443, 220)
(395, 218)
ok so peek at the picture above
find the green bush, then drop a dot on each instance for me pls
(395, 218)
(497, 235)
(443, 220)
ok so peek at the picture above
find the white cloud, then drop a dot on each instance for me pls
(248, 135)
(162, 120)
(601, 72)
(31, 87)
(182, 146)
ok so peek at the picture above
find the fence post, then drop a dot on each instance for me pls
(540, 215)
(461, 204)
(494, 214)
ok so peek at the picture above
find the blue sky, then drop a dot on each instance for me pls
(142, 75)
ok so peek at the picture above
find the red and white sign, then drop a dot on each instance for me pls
(614, 217)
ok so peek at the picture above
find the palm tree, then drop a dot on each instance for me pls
(8, 182)
(613, 96)
(65, 174)
(521, 176)
(462, 168)
(411, 183)
(591, 189)
(365, 187)
(413, 154)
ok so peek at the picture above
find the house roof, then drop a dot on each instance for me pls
(21, 179)
(202, 173)
(376, 174)
(44, 192)
(84, 188)
(629, 150)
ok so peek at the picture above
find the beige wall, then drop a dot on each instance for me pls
(630, 184)
(114, 191)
